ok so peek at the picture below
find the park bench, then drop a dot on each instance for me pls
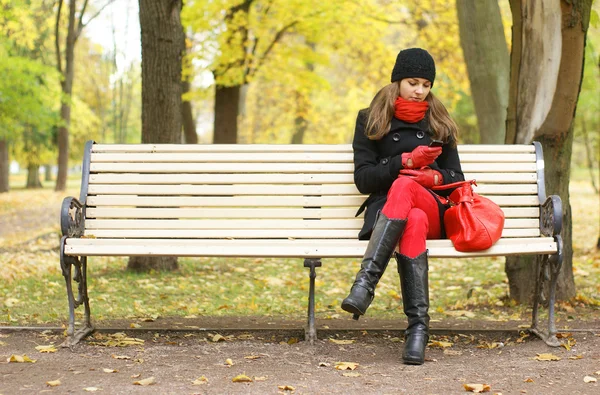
(279, 201)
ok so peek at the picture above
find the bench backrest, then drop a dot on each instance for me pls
(272, 191)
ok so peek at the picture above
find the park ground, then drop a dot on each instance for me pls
(236, 346)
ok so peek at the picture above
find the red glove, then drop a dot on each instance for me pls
(420, 156)
(426, 177)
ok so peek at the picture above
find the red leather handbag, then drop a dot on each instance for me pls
(472, 222)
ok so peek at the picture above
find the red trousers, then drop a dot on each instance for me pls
(409, 200)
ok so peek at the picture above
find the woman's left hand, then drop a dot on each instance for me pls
(426, 177)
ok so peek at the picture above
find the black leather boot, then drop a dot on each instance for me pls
(383, 242)
(415, 297)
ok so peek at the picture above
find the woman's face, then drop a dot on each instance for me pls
(414, 89)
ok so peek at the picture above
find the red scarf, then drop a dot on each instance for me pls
(410, 111)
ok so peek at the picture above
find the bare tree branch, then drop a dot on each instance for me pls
(82, 24)
(276, 39)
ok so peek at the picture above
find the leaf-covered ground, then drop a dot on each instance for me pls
(269, 298)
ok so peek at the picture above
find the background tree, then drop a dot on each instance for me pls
(486, 56)
(162, 52)
(547, 62)
(75, 26)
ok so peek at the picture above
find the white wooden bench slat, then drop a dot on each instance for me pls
(354, 223)
(233, 248)
(279, 148)
(276, 178)
(509, 212)
(282, 157)
(269, 201)
(292, 168)
(134, 234)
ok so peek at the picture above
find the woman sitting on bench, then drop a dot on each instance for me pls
(404, 144)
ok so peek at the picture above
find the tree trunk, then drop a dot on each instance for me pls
(546, 72)
(227, 104)
(4, 167)
(47, 173)
(65, 108)
(33, 177)
(162, 51)
(189, 125)
(486, 56)
(300, 122)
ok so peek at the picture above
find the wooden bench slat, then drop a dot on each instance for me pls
(294, 248)
(277, 178)
(135, 213)
(282, 148)
(268, 201)
(282, 157)
(354, 223)
(222, 167)
(271, 189)
(257, 233)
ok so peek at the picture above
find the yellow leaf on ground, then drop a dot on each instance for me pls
(91, 389)
(351, 374)
(120, 356)
(134, 325)
(218, 338)
(20, 359)
(292, 340)
(43, 349)
(53, 383)
(346, 365)
(335, 341)
(286, 388)
(105, 370)
(200, 381)
(528, 380)
(440, 344)
(145, 382)
(547, 357)
(228, 362)
(576, 356)
(241, 378)
(477, 387)
(589, 379)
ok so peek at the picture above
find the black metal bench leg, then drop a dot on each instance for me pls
(68, 263)
(311, 330)
(548, 269)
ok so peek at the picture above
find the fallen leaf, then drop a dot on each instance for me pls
(53, 383)
(200, 380)
(477, 387)
(145, 382)
(20, 359)
(547, 357)
(120, 356)
(241, 378)
(528, 380)
(286, 388)
(324, 364)
(576, 357)
(292, 340)
(252, 357)
(335, 341)
(346, 365)
(43, 349)
(351, 374)
(91, 389)
(228, 362)
(440, 344)
(563, 335)
(134, 325)
(218, 338)
(105, 370)
(135, 376)
(261, 378)
(589, 379)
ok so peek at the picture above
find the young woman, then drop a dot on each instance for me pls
(404, 144)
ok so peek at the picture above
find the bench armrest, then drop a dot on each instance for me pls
(72, 217)
(551, 216)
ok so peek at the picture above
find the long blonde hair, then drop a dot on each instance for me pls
(381, 111)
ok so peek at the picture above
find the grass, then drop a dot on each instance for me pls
(32, 289)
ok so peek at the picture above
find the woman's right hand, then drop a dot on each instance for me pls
(420, 157)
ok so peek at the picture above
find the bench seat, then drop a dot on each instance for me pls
(283, 201)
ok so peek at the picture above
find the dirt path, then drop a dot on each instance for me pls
(274, 361)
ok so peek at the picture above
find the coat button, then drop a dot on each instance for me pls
(384, 161)
(396, 137)
(420, 134)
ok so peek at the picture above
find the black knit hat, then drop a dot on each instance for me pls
(414, 62)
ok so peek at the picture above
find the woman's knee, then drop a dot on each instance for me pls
(417, 221)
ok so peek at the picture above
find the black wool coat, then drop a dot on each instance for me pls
(377, 164)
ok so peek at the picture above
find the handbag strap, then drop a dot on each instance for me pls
(453, 185)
